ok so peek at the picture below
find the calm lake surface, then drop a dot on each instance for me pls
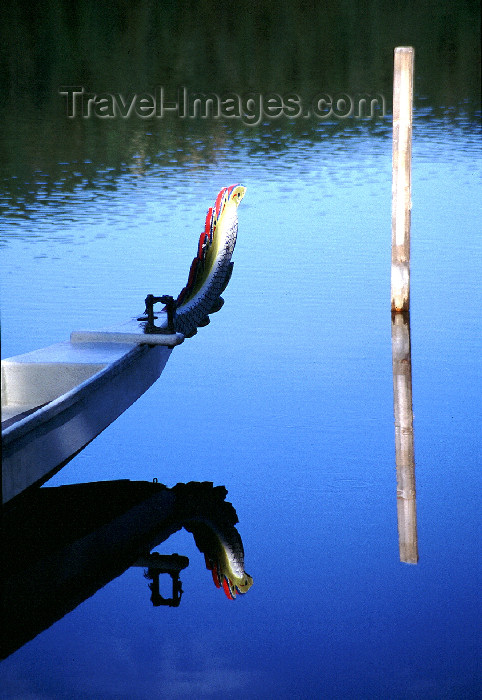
(286, 398)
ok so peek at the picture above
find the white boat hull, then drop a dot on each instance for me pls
(58, 399)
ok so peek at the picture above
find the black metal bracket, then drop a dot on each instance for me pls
(172, 565)
(157, 599)
(170, 305)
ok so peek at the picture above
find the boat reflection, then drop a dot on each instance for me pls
(60, 545)
(404, 447)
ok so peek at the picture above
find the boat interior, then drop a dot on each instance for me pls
(34, 379)
(28, 387)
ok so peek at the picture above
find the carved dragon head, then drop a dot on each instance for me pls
(212, 267)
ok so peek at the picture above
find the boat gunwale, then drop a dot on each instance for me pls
(53, 408)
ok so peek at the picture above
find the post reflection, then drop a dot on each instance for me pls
(404, 443)
(60, 545)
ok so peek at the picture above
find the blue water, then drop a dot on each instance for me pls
(286, 399)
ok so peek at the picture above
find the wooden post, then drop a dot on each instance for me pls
(401, 176)
(404, 448)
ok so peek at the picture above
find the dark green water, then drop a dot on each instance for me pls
(303, 49)
(286, 398)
